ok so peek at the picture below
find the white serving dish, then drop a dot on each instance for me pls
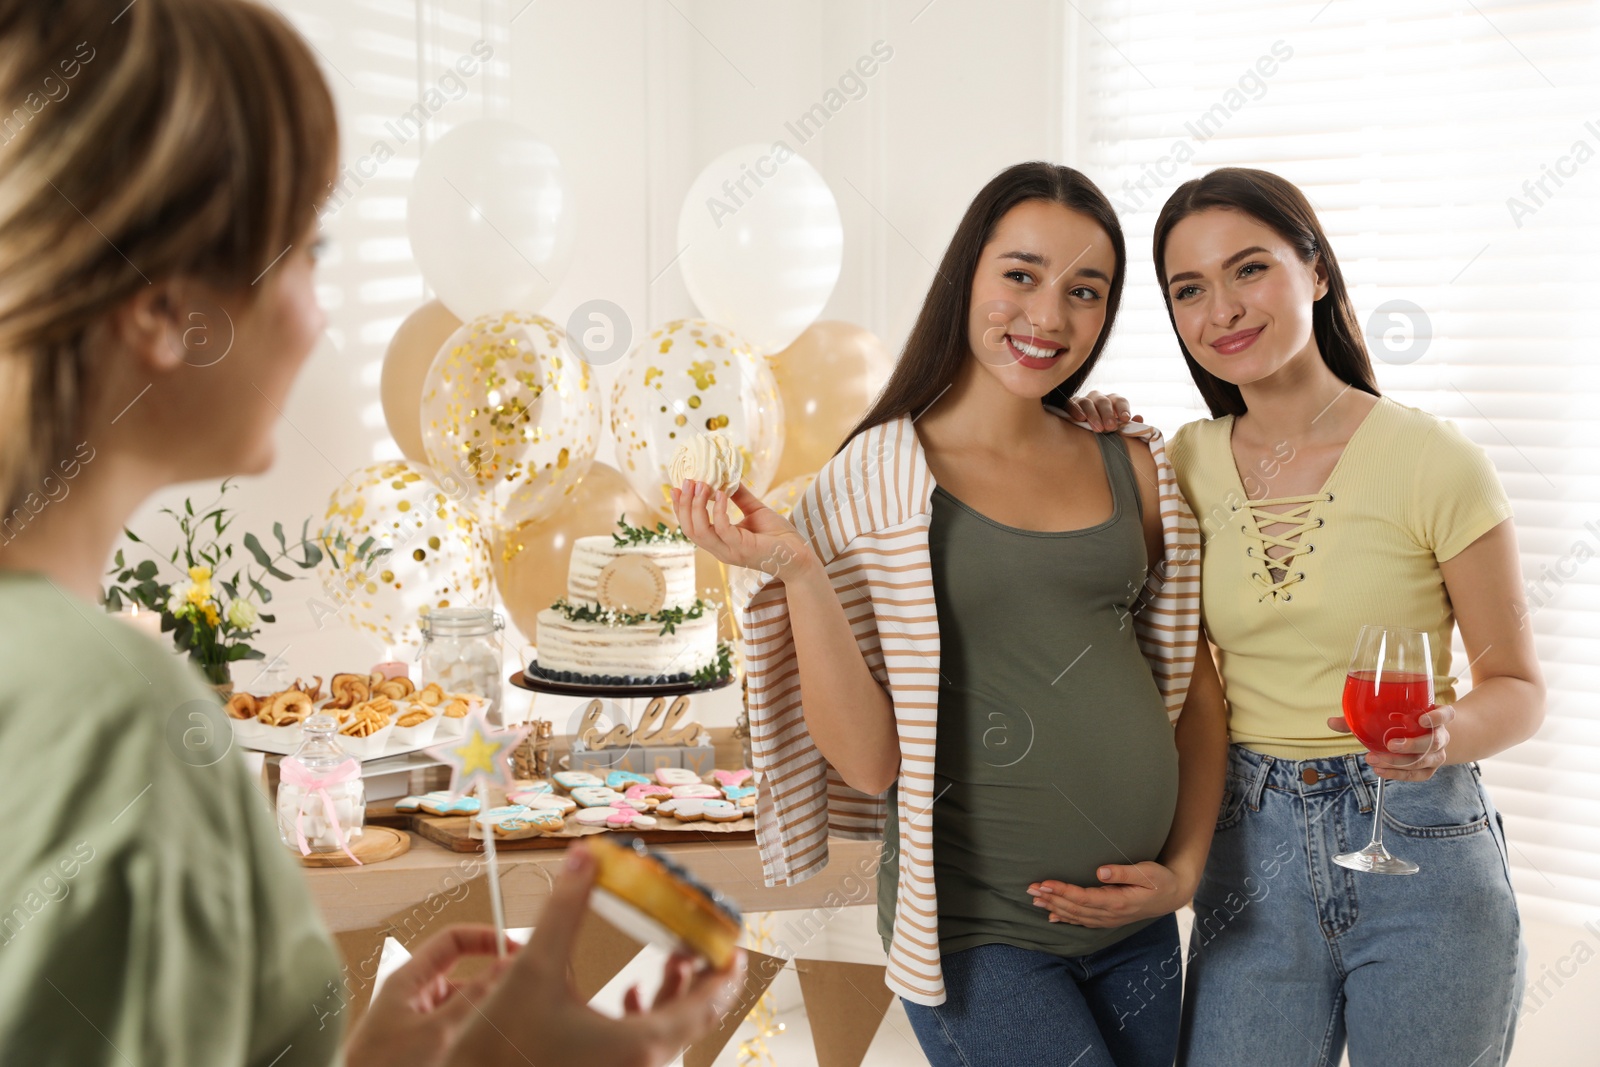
(373, 746)
(392, 746)
(416, 736)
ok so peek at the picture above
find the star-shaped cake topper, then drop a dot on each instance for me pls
(482, 754)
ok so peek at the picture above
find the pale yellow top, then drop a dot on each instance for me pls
(1409, 492)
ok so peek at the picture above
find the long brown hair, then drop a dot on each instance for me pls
(1279, 204)
(158, 140)
(937, 347)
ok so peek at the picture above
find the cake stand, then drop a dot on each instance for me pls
(576, 689)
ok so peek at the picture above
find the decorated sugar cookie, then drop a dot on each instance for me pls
(574, 779)
(516, 819)
(546, 820)
(446, 804)
(727, 779)
(595, 796)
(650, 794)
(414, 803)
(546, 802)
(627, 818)
(505, 812)
(721, 811)
(676, 776)
(623, 779)
(698, 789)
(693, 809)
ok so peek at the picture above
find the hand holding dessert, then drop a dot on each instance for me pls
(763, 540)
(534, 1016)
(705, 475)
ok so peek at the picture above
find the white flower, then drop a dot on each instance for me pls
(242, 614)
(179, 599)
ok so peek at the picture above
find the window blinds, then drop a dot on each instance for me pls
(403, 72)
(1453, 154)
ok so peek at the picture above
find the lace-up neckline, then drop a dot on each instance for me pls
(1274, 577)
(1277, 574)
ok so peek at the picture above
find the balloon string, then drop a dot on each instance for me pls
(733, 620)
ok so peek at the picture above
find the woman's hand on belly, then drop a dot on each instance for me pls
(1126, 894)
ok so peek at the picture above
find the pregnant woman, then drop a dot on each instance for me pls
(1325, 507)
(989, 614)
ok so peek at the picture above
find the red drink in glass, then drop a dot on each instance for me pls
(1387, 689)
(1383, 706)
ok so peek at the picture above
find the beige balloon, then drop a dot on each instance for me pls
(828, 378)
(405, 365)
(530, 561)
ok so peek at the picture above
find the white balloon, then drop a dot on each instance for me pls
(762, 243)
(490, 219)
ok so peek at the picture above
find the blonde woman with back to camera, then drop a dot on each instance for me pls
(167, 160)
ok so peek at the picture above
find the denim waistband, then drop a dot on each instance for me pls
(1306, 778)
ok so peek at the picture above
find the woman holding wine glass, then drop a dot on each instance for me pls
(1326, 508)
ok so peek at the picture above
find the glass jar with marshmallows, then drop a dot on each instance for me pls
(461, 652)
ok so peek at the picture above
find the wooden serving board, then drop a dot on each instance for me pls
(383, 813)
(376, 844)
(454, 834)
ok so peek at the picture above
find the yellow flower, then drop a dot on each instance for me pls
(200, 595)
(200, 575)
(211, 614)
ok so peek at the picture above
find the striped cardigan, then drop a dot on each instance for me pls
(867, 516)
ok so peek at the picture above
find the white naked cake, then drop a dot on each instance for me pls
(631, 615)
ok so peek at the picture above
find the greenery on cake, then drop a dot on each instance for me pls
(719, 668)
(669, 618)
(638, 535)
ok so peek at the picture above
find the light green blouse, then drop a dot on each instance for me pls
(148, 912)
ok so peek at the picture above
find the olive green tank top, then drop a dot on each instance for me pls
(1054, 751)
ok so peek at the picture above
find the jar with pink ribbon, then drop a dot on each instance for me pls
(322, 802)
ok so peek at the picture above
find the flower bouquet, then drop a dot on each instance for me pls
(211, 617)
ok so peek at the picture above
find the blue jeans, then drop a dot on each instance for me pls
(1292, 956)
(1010, 1006)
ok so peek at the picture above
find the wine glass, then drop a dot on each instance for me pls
(1388, 689)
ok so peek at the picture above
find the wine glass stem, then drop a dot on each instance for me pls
(1377, 821)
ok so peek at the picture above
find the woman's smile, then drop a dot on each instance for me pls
(1035, 353)
(1237, 342)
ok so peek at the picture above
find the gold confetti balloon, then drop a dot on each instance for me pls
(511, 415)
(436, 557)
(687, 377)
(783, 497)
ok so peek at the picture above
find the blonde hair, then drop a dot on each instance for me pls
(158, 140)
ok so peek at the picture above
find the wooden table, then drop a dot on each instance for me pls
(358, 898)
(355, 898)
